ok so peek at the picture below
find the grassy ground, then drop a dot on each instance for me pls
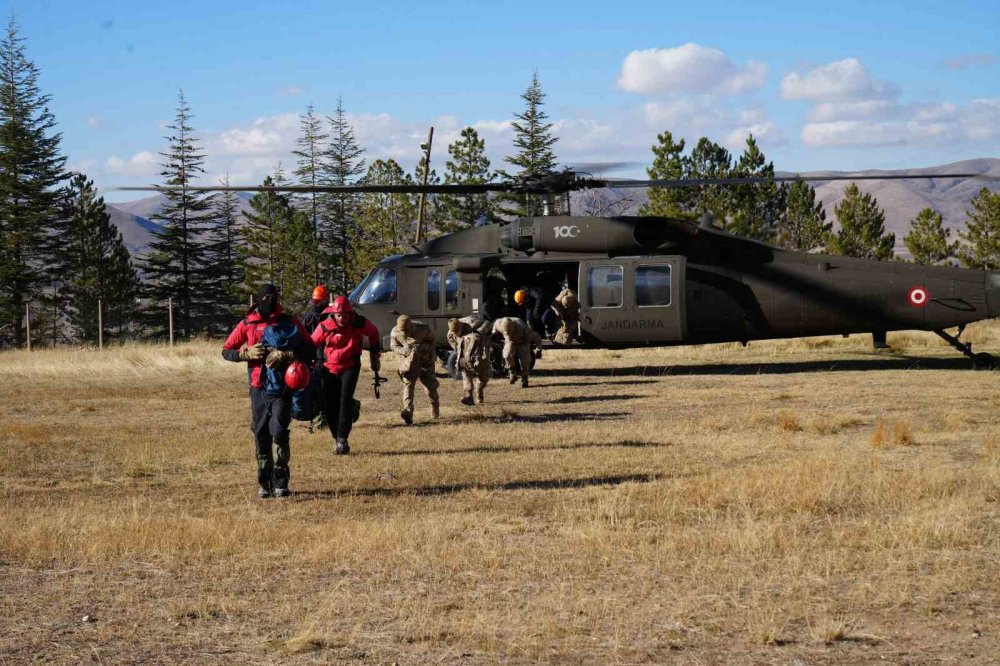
(809, 502)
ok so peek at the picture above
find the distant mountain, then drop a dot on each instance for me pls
(133, 219)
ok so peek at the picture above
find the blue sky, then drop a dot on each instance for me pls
(846, 85)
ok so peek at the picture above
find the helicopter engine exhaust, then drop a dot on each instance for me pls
(621, 235)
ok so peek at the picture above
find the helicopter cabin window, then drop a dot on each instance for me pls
(604, 286)
(451, 291)
(380, 287)
(433, 290)
(652, 285)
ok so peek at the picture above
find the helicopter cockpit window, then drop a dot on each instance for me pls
(451, 291)
(652, 285)
(433, 290)
(380, 287)
(604, 286)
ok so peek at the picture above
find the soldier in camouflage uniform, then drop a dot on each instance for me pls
(567, 308)
(518, 341)
(414, 342)
(470, 338)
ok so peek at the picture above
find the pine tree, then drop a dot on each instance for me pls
(862, 227)
(927, 239)
(803, 225)
(982, 234)
(343, 163)
(30, 170)
(669, 162)
(95, 267)
(534, 140)
(710, 160)
(223, 252)
(309, 171)
(385, 220)
(262, 233)
(468, 166)
(756, 209)
(176, 265)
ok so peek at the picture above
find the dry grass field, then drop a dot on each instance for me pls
(802, 502)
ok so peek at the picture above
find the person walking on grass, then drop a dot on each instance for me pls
(413, 341)
(341, 338)
(270, 402)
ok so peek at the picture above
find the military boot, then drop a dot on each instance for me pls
(435, 410)
(524, 381)
(513, 378)
(263, 492)
(479, 396)
(407, 417)
(342, 449)
(282, 492)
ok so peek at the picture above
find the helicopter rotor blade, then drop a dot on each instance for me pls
(751, 180)
(329, 189)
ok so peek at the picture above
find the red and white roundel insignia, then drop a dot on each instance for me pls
(918, 296)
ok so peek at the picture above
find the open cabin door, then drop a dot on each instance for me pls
(632, 300)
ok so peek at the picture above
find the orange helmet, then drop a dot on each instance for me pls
(342, 305)
(320, 293)
(519, 296)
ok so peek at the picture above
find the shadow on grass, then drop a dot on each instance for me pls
(789, 367)
(451, 489)
(572, 399)
(511, 416)
(627, 382)
(626, 444)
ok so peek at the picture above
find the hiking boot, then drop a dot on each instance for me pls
(435, 411)
(479, 398)
(342, 449)
(467, 400)
(524, 382)
(281, 492)
(263, 492)
(407, 417)
(513, 379)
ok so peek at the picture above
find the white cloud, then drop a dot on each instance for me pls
(93, 121)
(264, 136)
(975, 122)
(764, 133)
(867, 109)
(144, 163)
(689, 68)
(289, 91)
(842, 81)
(971, 60)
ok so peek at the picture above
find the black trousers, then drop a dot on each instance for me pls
(269, 420)
(338, 392)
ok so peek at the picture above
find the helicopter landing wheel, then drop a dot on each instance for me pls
(984, 361)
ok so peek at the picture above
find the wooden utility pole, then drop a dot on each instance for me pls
(170, 319)
(427, 170)
(100, 325)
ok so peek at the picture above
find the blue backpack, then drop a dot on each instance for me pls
(283, 335)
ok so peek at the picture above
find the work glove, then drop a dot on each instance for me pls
(376, 364)
(405, 351)
(277, 357)
(254, 353)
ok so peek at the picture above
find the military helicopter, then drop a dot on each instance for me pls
(653, 281)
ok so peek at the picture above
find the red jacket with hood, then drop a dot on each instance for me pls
(250, 331)
(342, 345)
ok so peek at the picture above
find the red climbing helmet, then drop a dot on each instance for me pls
(297, 376)
(342, 305)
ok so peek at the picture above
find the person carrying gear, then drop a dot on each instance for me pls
(319, 302)
(270, 415)
(541, 295)
(567, 308)
(414, 342)
(341, 337)
(470, 338)
(518, 340)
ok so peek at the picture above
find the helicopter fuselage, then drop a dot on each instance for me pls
(660, 281)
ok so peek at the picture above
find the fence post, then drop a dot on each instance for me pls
(27, 322)
(100, 325)
(170, 314)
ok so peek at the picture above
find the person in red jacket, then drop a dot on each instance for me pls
(341, 339)
(270, 415)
